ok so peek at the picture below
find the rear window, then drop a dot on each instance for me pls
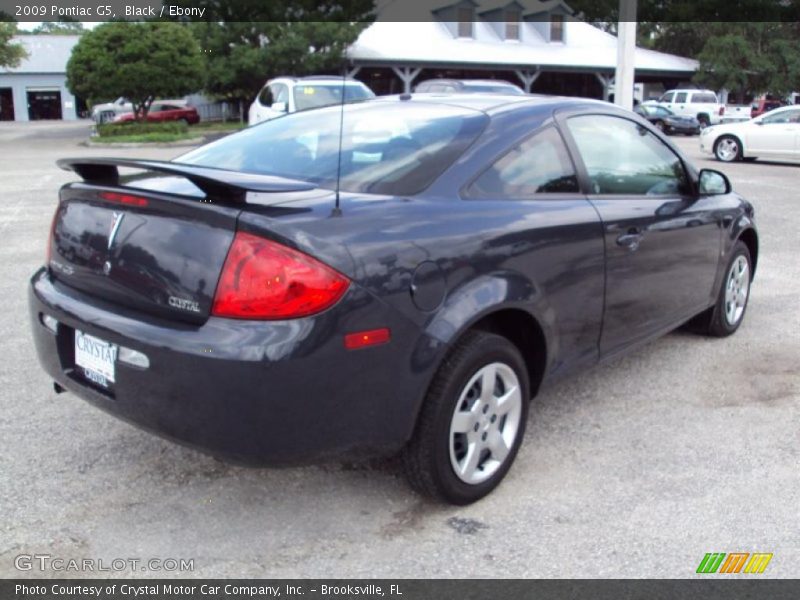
(315, 96)
(704, 98)
(387, 148)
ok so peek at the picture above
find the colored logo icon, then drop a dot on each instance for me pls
(734, 562)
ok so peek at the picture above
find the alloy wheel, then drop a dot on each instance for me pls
(727, 149)
(485, 423)
(737, 288)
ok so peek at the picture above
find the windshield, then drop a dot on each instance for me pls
(315, 95)
(387, 148)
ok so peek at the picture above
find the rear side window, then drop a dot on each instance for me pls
(704, 98)
(386, 148)
(539, 165)
(680, 97)
(786, 116)
(624, 158)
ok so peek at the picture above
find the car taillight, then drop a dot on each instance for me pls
(262, 279)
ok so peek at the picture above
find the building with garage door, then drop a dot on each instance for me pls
(37, 88)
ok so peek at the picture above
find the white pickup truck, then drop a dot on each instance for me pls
(703, 105)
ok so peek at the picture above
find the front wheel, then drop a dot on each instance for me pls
(731, 305)
(727, 149)
(472, 423)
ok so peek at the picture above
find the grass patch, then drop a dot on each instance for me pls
(209, 126)
(145, 138)
(114, 130)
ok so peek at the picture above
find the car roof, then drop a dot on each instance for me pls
(317, 79)
(490, 103)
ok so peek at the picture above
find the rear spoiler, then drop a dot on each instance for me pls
(220, 184)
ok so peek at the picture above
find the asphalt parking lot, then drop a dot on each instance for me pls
(634, 469)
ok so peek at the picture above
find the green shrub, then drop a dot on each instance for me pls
(134, 128)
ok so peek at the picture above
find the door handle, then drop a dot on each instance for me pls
(631, 239)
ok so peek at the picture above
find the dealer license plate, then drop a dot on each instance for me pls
(96, 357)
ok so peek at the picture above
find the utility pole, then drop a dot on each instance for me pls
(626, 53)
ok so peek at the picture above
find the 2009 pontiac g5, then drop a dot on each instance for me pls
(400, 275)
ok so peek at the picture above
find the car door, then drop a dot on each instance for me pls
(662, 242)
(666, 99)
(155, 113)
(552, 235)
(680, 104)
(775, 134)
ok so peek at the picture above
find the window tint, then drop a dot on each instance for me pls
(667, 97)
(488, 88)
(512, 24)
(785, 116)
(465, 18)
(398, 149)
(281, 93)
(315, 96)
(622, 157)
(557, 28)
(540, 165)
(680, 97)
(265, 97)
(704, 98)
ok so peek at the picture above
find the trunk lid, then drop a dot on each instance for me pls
(153, 243)
(163, 257)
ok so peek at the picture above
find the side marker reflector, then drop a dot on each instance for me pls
(362, 339)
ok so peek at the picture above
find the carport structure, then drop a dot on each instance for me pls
(537, 45)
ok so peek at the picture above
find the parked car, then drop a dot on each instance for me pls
(167, 110)
(702, 105)
(316, 295)
(473, 86)
(774, 135)
(763, 105)
(290, 94)
(667, 121)
(106, 112)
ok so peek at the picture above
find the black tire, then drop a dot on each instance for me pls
(728, 148)
(719, 325)
(704, 121)
(427, 456)
(661, 126)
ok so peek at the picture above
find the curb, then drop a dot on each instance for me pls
(179, 144)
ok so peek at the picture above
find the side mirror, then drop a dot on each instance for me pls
(278, 106)
(713, 183)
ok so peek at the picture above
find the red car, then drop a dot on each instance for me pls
(763, 105)
(166, 111)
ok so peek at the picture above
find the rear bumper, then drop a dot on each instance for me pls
(255, 392)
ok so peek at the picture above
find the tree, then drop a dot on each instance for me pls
(138, 61)
(65, 27)
(11, 53)
(246, 42)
